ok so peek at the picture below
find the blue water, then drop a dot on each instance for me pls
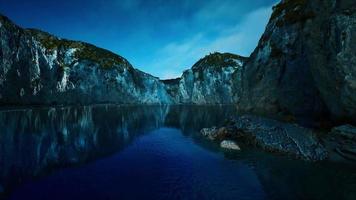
(162, 164)
(116, 152)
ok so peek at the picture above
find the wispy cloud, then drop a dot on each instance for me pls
(241, 39)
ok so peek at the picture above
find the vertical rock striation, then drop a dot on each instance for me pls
(214, 79)
(305, 61)
(38, 68)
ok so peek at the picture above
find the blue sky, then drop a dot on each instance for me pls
(161, 37)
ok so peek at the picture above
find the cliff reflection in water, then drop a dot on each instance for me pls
(35, 141)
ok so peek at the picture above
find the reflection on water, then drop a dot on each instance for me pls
(33, 141)
(178, 162)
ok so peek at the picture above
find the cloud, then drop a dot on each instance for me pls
(241, 39)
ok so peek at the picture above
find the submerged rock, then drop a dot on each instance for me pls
(276, 136)
(229, 144)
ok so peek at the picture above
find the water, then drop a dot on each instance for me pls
(148, 152)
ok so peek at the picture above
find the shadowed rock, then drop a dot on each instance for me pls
(346, 131)
(275, 136)
(342, 140)
(305, 62)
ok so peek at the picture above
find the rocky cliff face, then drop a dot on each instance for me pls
(305, 61)
(38, 68)
(214, 79)
(332, 46)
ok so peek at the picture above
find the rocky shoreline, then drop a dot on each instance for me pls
(287, 138)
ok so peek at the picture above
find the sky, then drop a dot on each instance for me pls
(160, 37)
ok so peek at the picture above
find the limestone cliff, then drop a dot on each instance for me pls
(305, 61)
(38, 68)
(214, 79)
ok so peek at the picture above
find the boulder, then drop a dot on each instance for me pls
(229, 144)
(215, 133)
(210, 133)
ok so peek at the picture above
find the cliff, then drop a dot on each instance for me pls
(38, 68)
(305, 62)
(214, 79)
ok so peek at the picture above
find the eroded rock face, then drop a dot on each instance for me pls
(305, 61)
(38, 68)
(215, 79)
(332, 47)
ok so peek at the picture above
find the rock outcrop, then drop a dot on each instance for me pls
(38, 68)
(305, 61)
(214, 79)
(272, 135)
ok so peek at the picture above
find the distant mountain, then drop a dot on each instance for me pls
(214, 79)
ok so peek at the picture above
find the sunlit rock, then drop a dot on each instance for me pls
(229, 144)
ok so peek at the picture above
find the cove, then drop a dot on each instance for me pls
(148, 152)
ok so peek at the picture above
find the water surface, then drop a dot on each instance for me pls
(148, 152)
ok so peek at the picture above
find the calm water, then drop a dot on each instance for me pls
(113, 152)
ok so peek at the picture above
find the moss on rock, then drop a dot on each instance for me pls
(219, 60)
(84, 51)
